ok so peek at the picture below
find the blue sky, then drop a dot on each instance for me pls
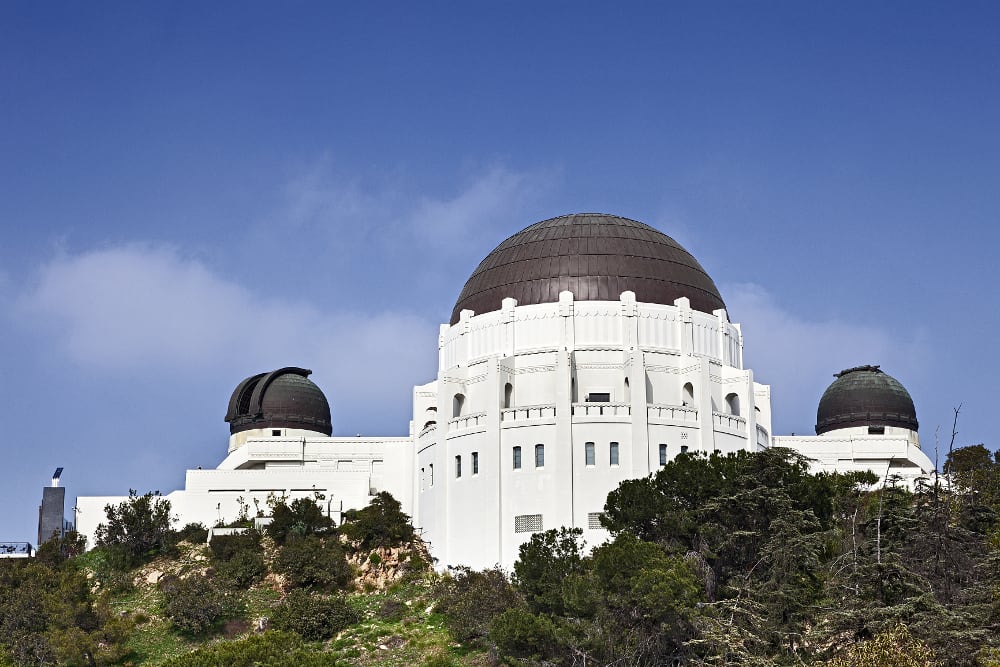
(194, 192)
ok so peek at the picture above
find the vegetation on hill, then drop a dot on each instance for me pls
(724, 560)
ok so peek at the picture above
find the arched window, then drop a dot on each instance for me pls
(458, 466)
(517, 457)
(458, 405)
(508, 395)
(687, 397)
(539, 456)
(588, 453)
(663, 455)
(613, 454)
(733, 404)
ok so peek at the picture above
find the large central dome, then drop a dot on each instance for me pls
(593, 255)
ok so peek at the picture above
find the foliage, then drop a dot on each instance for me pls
(57, 550)
(299, 518)
(271, 649)
(194, 604)
(313, 616)
(195, 533)
(238, 558)
(314, 562)
(137, 529)
(548, 562)
(50, 616)
(381, 524)
(894, 647)
(470, 600)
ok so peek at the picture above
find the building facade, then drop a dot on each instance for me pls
(583, 351)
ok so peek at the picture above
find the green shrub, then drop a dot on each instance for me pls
(243, 569)
(194, 604)
(313, 616)
(137, 529)
(224, 547)
(300, 518)
(381, 524)
(195, 533)
(271, 649)
(470, 600)
(520, 634)
(313, 562)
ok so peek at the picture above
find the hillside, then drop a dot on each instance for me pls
(737, 560)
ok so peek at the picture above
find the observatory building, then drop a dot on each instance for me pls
(583, 351)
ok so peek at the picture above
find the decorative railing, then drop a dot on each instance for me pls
(729, 422)
(528, 412)
(680, 413)
(763, 437)
(467, 421)
(601, 410)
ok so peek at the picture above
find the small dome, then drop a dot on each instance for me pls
(285, 398)
(865, 396)
(594, 256)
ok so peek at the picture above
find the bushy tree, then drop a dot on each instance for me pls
(314, 562)
(137, 529)
(194, 604)
(471, 599)
(381, 524)
(314, 617)
(299, 518)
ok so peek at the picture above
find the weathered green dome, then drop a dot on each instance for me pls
(865, 396)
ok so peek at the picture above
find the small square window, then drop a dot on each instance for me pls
(275, 432)
(684, 449)
(614, 454)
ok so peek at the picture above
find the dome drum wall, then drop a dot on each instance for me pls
(594, 256)
(865, 396)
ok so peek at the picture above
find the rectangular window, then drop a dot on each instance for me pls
(423, 478)
(458, 466)
(431, 467)
(276, 433)
(876, 430)
(517, 458)
(588, 453)
(599, 397)
(528, 523)
(475, 463)
(663, 455)
(594, 520)
(614, 453)
(684, 449)
(539, 456)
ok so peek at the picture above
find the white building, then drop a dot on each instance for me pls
(583, 351)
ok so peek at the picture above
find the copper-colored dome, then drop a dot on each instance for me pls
(594, 256)
(865, 396)
(285, 398)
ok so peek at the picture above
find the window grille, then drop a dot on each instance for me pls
(528, 523)
(594, 520)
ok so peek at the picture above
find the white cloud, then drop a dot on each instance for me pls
(143, 310)
(798, 357)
